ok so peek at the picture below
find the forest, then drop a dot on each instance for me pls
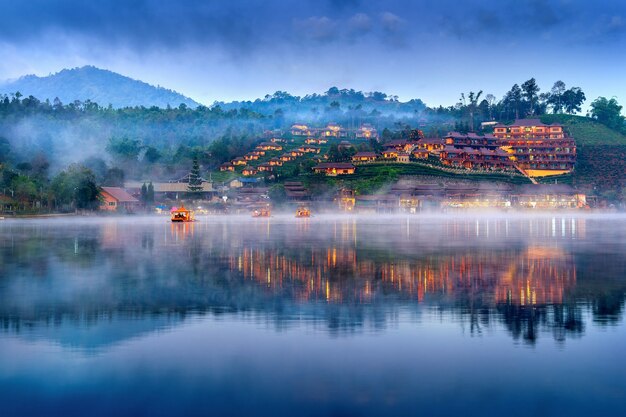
(54, 155)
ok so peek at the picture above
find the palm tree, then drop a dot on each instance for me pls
(472, 106)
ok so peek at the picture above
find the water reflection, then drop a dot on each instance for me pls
(119, 279)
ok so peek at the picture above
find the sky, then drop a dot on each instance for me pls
(223, 50)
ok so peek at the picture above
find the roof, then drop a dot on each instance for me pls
(339, 165)
(120, 194)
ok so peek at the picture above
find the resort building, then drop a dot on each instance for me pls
(476, 158)
(471, 140)
(537, 148)
(364, 157)
(334, 168)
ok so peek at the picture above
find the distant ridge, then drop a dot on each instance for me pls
(98, 85)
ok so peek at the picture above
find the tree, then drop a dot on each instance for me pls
(530, 91)
(555, 99)
(195, 181)
(5, 150)
(471, 105)
(124, 147)
(573, 99)
(76, 186)
(150, 194)
(608, 112)
(152, 154)
(144, 193)
(513, 100)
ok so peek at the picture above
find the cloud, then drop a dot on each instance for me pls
(360, 23)
(320, 29)
(391, 23)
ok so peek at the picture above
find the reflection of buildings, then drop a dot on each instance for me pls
(536, 275)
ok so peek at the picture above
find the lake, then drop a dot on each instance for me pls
(367, 316)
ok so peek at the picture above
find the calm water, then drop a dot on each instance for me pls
(328, 316)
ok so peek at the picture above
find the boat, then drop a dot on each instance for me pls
(182, 215)
(303, 212)
(262, 212)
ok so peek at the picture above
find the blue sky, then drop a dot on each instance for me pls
(243, 49)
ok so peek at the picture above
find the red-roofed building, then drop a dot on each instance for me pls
(115, 198)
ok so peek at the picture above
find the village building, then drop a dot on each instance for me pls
(366, 132)
(431, 144)
(334, 130)
(390, 153)
(266, 167)
(269, 146)
(277, 140)
(403, 158)
(239, 161)
(296, 153)
(276, 162)
(286, 157)
(250, 157)
(249, 171)
(227, 166)
(420, 153)
(334, 168)
(537, 148)
(296, 191)
(299, 129)
(116, 198)
(344, 144)
(309, 149)
(364, 157)
(316, 141)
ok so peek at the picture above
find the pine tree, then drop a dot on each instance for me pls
(150, 194)
(144, 193)
(195, 181)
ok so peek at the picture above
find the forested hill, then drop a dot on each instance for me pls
(330, 104)
(96, 85)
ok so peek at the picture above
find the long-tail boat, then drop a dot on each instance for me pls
(303, 212)
(182, 214)
(262, 212)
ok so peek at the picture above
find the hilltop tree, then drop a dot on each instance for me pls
(530, 91)
(555, 100)
(471, 105)
(573, 99)
(608, 112)
(195, 180)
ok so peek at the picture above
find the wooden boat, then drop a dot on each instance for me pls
(303, 212)
(182, 215)
(262, 212)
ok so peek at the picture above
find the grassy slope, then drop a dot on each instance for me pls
(601, 156)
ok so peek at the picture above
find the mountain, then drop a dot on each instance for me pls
(101, 86)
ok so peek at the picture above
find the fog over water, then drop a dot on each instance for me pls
(344, 315)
